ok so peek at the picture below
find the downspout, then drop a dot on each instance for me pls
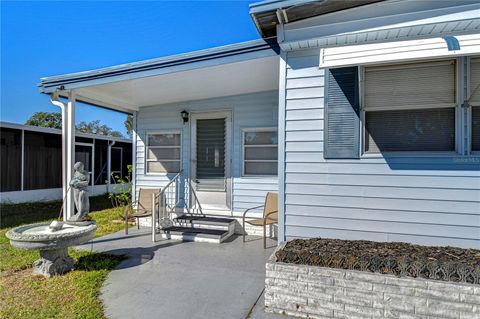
(55, 101)
(109, 164)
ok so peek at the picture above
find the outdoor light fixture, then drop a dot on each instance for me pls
(184, 116)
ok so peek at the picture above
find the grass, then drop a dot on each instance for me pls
(12, 215)
(74, 295)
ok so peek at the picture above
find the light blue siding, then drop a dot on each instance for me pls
(248, 110)
(425, 198)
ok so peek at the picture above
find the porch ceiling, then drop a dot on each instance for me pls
(247, 76)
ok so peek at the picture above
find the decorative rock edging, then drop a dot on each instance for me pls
(319, 292)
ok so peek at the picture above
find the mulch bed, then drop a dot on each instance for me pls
(401, 259)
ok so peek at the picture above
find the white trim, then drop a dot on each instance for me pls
(258, 129)
(147, 147)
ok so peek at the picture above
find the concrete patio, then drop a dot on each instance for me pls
(173, 279)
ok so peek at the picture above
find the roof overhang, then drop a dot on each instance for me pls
(270, 13)
(234, 69)
(381, 24)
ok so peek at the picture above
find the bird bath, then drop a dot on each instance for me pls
(52, 244)
(53, 240)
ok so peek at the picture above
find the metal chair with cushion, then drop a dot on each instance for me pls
(143, 206)
(270, 216)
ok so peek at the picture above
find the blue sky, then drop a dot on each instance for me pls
(42, 38)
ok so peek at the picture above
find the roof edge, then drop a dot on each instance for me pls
(46, 83)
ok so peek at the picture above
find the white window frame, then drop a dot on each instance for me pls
(258, 129)
(363, 111)
(147, 148)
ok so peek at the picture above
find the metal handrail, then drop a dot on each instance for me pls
(197, 201)
(160, 205)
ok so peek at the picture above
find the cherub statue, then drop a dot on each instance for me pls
(79, 185)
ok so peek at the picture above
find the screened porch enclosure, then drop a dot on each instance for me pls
(31, 159)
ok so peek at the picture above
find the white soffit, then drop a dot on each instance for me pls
(397, 51)
(243, 77)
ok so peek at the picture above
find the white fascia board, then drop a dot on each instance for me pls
(397, 51)
(71, 83)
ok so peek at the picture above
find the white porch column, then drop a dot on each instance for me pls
(70, 151)
(63, 107)
(134, 158)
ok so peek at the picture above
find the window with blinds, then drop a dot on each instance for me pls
(260, 151)
(410, 107)
(163, 153)
(474, 100)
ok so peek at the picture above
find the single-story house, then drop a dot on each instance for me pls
(31, 162)
(363, 115)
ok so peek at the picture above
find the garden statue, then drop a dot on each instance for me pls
(79, 185)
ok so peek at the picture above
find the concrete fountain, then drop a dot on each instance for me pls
(52, 240)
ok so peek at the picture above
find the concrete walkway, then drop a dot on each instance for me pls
(173, 279)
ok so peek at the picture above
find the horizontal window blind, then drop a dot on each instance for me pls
(414, 86)
(260, 152)
(410, 130)
(163, 153)
(475, 82)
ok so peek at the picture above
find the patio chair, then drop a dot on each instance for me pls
(143, 206)
(270, 216)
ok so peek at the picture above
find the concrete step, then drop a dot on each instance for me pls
(204, 220)
(196, 234)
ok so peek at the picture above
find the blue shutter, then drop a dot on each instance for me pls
(342, 114)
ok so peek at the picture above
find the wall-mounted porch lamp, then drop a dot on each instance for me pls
(184, 115)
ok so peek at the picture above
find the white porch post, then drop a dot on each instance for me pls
(63, 107)
(70, 151)
(134, 158)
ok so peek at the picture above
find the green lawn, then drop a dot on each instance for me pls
(74, 295)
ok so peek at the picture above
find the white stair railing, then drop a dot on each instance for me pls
(164, 204)
(193, 205)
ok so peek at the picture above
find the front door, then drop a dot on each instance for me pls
(210, 164)
(210, 155)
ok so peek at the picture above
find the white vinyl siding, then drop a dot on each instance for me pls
(163, 152)
(260, 151)
(248, 110)
(410, 107)
(424, 198)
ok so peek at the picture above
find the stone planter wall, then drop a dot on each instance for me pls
(319, 292)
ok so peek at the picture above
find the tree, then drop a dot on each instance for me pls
(46, 119)
(129, 124)
(94, 127)
(54, 120)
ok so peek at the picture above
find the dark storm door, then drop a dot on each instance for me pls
(210, 155)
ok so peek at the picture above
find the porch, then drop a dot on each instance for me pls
(158, 280)
(204, 128)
